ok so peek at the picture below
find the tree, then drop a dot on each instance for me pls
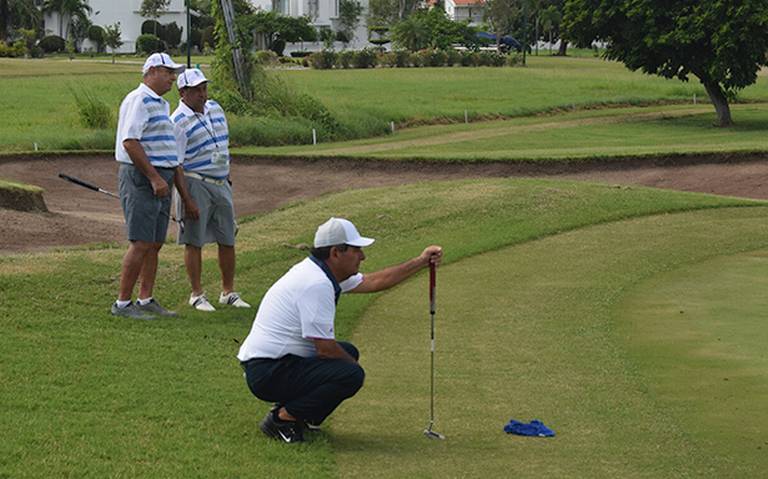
(721, 42)
(502, 16)
(79, 30)
(112, 38)
(550, 21)
(153, 9)
(16, 14)
(70, 9)
(431, 29)
(349, 18)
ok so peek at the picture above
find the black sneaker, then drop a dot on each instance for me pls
(286, 431)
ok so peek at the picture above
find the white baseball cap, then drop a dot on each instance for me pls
(162, 60)
(337, 231)
(190, 78)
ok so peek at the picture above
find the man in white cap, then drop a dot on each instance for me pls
(202, 139)
(291, 356)
(145, 149)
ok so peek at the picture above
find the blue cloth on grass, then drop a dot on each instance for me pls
(534, 428)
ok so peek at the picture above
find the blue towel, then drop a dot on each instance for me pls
(534, 428)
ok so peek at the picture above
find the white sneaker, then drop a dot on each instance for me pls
(200, 303)
(233, 299)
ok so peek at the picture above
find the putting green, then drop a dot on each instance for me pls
(697, 336)
(532, 331)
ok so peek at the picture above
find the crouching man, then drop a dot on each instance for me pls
(291, 356)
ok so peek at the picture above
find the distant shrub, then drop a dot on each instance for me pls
(469, 58)
(452, 57)
(323, 60)
(491, 59)
(148, 43)
(345, 58)
(52, 44)
(386, 59)
(421, 58)
(435, 58)
(94, 113)
(402, 58)
(514, 59)
(365, 58)
(265, 57)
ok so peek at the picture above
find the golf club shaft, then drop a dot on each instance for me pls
(85, 184)
(432, 307)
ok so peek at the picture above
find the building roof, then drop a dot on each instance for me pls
(468, 3)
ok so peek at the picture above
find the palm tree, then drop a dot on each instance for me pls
(17, 14)
(69, 8)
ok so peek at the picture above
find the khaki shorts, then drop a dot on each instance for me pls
(217, 215)
(146, 215)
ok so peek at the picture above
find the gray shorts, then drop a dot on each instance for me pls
(146, 215)
(217, 215)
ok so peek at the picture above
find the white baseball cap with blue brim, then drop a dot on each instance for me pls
(162, 60)
(190, 78)
(338, 231)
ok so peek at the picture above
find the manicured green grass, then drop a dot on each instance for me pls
(696, 337)
(12, 185)
(531, 331)
(589, 134)
(410, 95)
(86, 394)
(40, 108)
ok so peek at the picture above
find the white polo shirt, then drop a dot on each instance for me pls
(144, 116)
(299, 307)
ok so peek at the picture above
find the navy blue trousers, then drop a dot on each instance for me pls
(308, 388)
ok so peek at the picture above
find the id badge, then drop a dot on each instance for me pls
(219, 158)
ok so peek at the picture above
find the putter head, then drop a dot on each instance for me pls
(433, 434)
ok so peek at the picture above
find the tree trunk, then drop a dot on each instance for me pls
(4, 20)
(563, 47)
(717, 95)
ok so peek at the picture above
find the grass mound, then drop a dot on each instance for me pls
(17, 196)
(87, 394)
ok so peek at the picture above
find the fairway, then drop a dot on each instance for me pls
(42, 113)
(531, 331)
(593, 134)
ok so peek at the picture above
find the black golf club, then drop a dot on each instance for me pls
(432, 286)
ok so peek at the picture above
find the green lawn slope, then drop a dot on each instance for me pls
(85, 394)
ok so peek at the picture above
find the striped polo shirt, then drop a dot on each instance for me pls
(201, 137)
(144, 116)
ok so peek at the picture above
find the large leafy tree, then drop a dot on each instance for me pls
(15, 14)
(721, 42)
(69, 9)
(153, 9)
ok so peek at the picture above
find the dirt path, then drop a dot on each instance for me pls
(80, 216)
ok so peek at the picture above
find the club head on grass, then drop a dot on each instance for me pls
(433, 434)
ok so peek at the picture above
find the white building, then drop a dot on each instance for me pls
(463, 10)
(323, 13)
(108, 12)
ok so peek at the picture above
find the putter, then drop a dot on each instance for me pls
(432, 283)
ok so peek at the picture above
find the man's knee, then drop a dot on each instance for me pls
(355, 379)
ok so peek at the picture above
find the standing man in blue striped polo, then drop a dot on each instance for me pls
(202, 137)
(149, 165)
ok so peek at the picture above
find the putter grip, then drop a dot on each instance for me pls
(78, 181)
(432, 285)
